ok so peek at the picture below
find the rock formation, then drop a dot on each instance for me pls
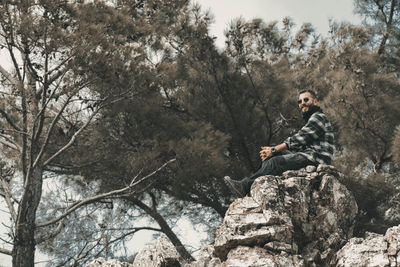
(108, 263)
(162, 253)
(372, 251)
(302, 218)
(299, 219)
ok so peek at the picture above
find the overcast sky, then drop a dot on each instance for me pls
(317, 12)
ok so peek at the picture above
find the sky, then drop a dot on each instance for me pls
(316, 12)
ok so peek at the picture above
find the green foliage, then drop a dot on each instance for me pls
(371, 194)
(382, 18)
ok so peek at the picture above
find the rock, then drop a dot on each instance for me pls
(311, 168)
(162, 253)
(205, 258)
(256, 256)
(100, 262)
(373, 250)
(301, 218)
(307, 214)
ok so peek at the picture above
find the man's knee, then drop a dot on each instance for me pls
(275, 164)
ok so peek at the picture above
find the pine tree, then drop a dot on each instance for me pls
(68, 61)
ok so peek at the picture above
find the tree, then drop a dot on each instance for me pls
(140, 133)
(360, 93)
(369, 94)
(65, 57)
(383, 17)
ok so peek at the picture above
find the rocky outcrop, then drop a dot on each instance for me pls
(301, 218)
(372, 251)
(100, 262)
(162, 253)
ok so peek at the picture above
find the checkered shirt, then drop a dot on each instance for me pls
(315, 140)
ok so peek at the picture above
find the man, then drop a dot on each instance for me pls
(311, 145)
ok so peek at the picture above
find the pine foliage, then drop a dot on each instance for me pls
(137, 83)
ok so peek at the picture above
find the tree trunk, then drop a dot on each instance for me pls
(164, 228)
(23, 254)
(388, 28)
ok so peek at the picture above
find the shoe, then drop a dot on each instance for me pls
(235, 186)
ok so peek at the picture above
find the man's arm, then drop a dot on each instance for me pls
(314, 129)
(266, 151)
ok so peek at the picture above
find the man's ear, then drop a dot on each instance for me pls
(315, 101)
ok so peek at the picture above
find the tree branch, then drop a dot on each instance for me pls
(5, 251)
(49, 131)
(388, 25)
(51, 235)
(111, 194)
(136, 229)
(10, 78)
(71, 141)
(84, 255)
(42, 111)
(73, 138)
(10, 143)
(8, 197)
(10, 121)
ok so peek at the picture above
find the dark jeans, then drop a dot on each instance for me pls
(276, 165)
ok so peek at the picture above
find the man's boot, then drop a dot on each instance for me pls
(236, 186)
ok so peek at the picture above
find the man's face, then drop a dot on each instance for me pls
(306, 101)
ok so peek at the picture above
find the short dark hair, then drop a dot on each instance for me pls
(313, 94)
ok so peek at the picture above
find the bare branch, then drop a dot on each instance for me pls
(134, 230)
(59, 72)
(71, 141)
(5, 251)
(10, 121)
(388, 25)
(53, 78)
(4, 240)
(31, 69)
(10, 78)
(64, 263)
(12, 131)
(111, 194)
(52, 234)
(8, 143)
(8, 197)
(84, 255)
(11, 43)
(50, 130)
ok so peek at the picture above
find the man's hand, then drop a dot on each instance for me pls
(266, 152)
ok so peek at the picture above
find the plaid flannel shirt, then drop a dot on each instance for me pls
(315, 140)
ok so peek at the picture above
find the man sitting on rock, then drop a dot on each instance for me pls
(311, 145)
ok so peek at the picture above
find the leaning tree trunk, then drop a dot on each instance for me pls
(164, 228)
(23, 254)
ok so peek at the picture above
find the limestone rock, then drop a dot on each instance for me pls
(205, 258)
(373, 250)
(301, 218)
(162, 253)
(100, 262)
(258, 257)
(306, 214)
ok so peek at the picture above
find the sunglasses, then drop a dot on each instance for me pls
(304, 99)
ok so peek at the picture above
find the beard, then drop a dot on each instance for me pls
(311, 110)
